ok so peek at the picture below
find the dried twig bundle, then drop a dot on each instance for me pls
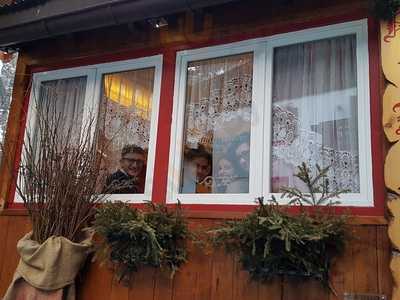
(60, 174)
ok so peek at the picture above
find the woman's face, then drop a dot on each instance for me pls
(225, 168)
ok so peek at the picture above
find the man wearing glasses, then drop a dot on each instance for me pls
(130, 178)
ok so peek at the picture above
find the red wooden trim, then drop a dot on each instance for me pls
(19, 146)
(14, 212)
(289, 26)
(178, 46)
(377, 137)
(163, 136)
(207, 214)
(98, 59)
(161, 179)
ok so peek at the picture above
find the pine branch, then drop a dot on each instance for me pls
(318, 188)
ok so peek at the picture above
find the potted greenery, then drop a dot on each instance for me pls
(58, 182)
(132, 239)
(271, 241)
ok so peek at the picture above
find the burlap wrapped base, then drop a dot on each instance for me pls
(47, 271)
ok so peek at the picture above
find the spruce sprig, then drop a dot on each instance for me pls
(318, 189)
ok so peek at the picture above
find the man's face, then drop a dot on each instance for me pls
(243, 155)
(132, 164)
(203, 168)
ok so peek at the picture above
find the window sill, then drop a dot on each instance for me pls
(353, 220)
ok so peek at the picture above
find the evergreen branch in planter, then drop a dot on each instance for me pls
(132, 239)
(272, 242)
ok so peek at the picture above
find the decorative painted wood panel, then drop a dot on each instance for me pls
(390, 51)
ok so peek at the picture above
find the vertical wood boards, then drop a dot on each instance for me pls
(222, 276)
(383, 256)
(96, 283)
(243, 286)
(17, 228)
(363, 268)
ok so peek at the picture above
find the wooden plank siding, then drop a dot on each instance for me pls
(214, 275)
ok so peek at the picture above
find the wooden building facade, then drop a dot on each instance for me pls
(364, 267)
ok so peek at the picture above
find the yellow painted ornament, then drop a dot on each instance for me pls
(391, 113)
(390, 47)
(392, 168)
(394, 233)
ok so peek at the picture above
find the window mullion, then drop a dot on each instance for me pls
(267, 121)
(257, 122)
(90, 110)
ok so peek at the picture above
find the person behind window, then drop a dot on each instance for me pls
(239, 153)
(224, 174)
(198, 178)
(130, 178)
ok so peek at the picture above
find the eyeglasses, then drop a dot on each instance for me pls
(132, 161)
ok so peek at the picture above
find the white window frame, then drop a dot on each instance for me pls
(262, 102)
(92, 101)
(131, 65)
(183, 58)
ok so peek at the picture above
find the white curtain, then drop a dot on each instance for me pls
(217, 111)
(125, 112)
(315, 111)
(61, 101)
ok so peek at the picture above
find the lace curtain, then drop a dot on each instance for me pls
(217, 113)
(125, 112)
(315, 111)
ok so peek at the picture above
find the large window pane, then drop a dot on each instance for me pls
(125, 116)
(315, 111)
(217, 125)
(60, 103)
(64, 98)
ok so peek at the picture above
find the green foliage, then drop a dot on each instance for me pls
(132, 238)
(319, 192)
(271, 241)
(386, 9)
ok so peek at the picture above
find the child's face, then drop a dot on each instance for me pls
(203, 168)
(243, 155)
(225, 168)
